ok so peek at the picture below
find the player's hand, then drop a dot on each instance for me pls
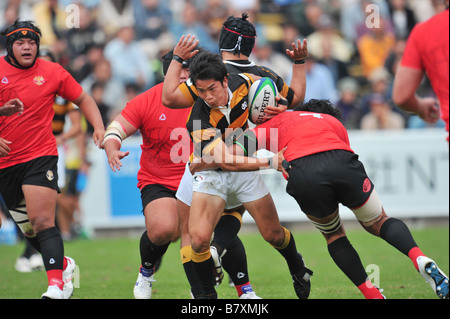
(4, 148)
(115, 157)
(299, 51)
(98, 136)
(185, 48)
(277, 161)
(271, 111)
(11, 107)
(429, 110)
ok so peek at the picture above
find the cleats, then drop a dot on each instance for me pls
(433, 276)
(143, 287)
(302, 283)
(67, 278)
(249, 295)
(53, 292)
(218, 271)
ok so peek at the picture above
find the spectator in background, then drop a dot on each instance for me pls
(319, 81)
(190, 24)
(326, 36)
(113, 14)
(51, 19)
(114, 91)
(152, 18)
(402, 18)
(86, 66)
(128, 63)
(289, 33)
(212, 17)
(348, 103)
(380, 83)
(381, 116)
(374, 47)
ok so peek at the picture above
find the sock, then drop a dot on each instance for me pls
(204, 265)
(234, 262)
(244, 288)
(370, 291)
(194, 282)
(347, 259)
(397, 234)
(413, 254)
(150, 253)
(226, 230)
(289, 251)
(52, 250)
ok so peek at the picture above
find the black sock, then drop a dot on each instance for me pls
(397, 234)
(194, 282)
(291, 255)
(150, 253)
(203, 265)
(234, 262)
(226, 230)
(347, 259)
(52, 248)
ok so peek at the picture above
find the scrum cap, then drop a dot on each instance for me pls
(237, 35)
(19, 30)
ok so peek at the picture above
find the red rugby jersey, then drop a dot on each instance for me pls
(31, 133)
(166, 144)
(304, 133)
(427, 49)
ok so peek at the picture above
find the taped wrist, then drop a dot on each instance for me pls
(115, 132)
(248, 142)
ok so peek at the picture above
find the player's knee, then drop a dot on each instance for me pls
(274, 237)
(371, 214)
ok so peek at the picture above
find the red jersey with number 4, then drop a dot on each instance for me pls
(166, 144)
(31, 133)
(304, 133)
(427, 49)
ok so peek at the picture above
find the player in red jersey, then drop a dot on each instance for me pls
(165, 151)
(322, 172)
(426, 51)
(28, 173)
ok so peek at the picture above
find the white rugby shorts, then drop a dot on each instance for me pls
(234, 188)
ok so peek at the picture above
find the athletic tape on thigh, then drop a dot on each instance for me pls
(370, 210)
(328, 227)
(20, 217)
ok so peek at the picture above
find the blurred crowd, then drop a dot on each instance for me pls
(113, 47)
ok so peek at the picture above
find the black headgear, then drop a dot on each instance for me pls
(21, 29)
(167, 58)
(237, 35)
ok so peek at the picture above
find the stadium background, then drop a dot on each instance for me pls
(116, 45)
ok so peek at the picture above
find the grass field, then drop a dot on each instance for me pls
(108, 268)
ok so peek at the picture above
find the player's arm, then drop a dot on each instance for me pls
(117, 131)
(75, 128)
(90, 110)
(4, 148)
(298, 54)
(172, 96)
(406, 82)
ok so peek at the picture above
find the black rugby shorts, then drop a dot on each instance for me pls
(41, 171)
(155, 191)
(319, 182)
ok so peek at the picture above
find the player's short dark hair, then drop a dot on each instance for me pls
(238, 35)
(320, 106)
(207, 66)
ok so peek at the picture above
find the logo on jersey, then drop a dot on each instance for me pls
(39, 80)
(50, 176)
(244, 105)
(5, 80)
(367, 185)
(163, 117)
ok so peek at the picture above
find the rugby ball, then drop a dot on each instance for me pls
(261, 94)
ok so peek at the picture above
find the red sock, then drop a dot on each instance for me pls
(55, 278)
(370, 291)
(413, 254)
(242, 289)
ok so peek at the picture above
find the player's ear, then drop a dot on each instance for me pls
(225, 82)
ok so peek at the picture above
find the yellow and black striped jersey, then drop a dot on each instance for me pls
(206, 125)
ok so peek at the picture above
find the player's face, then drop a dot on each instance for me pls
(213, 92)
(184, 76)
(25, 51)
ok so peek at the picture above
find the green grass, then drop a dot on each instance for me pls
(108, 268)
